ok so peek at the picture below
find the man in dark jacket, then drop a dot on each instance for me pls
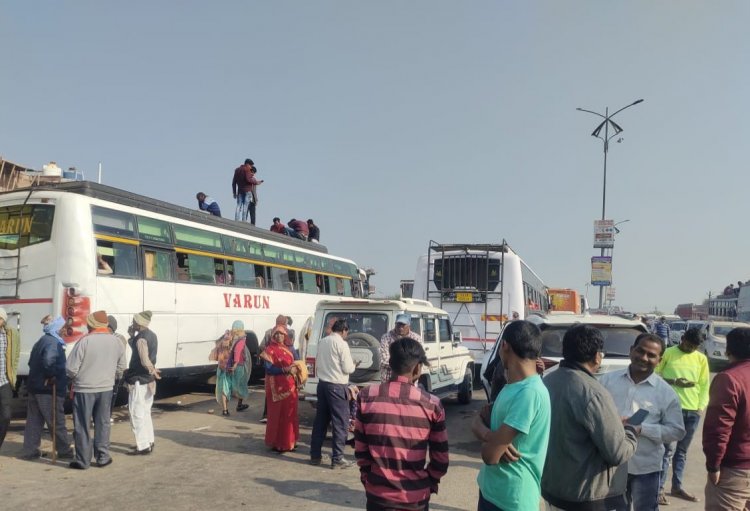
(244, 190)
(141, 378)
(726, 430)
(589, 446)
(299, 229)
(46, 368)
(314, 231)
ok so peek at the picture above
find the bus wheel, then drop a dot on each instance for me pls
(466, 387)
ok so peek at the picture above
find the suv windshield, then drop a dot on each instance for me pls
(617, 339)
(722, 330)
(372, 323)
(678, 326)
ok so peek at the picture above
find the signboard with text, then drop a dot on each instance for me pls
(601, 271)
(604, 233)
(610, 294)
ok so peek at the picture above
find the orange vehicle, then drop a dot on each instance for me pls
(565, 300)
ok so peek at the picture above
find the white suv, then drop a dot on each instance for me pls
(619, 335)
(715, 345)
(451, 366)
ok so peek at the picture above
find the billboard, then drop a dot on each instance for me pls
(604, 233)
(601, 271)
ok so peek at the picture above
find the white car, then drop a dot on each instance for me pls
(715, 345)
(676, 329)
(619, 336)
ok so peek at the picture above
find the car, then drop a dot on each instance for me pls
(676, 329)
(715, 345)
(451, 367)
(619, 335)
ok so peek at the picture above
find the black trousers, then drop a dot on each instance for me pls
(332, 408)
(251, 211)
(6, 394)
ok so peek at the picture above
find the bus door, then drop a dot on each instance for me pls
(159, 298)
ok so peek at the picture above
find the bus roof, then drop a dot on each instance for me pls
(116, 195)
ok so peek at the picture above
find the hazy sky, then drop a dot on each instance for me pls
(394, 123)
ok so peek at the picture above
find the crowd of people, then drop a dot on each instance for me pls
(245, 192)
(577, 441)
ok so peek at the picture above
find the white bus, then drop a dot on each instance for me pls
(481, 287)
(72, 248)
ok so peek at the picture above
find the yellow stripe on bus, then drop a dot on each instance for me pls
(494, 317)
(116, 239)
(262, 263)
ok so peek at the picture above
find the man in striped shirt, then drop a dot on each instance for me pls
(397, 424)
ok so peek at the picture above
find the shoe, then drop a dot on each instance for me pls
(102, 464)
(66, 455)
(142, 452)
(680, 493)
(225, 413)
(263, 420)
(316, 461)
(663, 500)
(29, 457)
(341, 463)
(242, 407)
(76, 465)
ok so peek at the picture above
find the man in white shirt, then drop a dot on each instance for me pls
(333, 366)
(639, 387)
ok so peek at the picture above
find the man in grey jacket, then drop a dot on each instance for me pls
(97, 359)
(589, 446)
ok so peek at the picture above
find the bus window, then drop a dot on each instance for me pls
(199, 269)
(309, 282)
(157, 264)
(339, 286)
(279, 279)
(295, 280)
(242, 274)
(444, 327)
(120, 258)
(429, 330)
(21, 226)
(261, 277)
(189, 237)
(221, 276)
(109, 221)
(151, 229)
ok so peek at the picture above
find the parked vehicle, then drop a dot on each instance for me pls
(451, 365)
(676, 329)
(715, 345)
(619, 336)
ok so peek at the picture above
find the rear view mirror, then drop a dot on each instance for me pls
(457, 339)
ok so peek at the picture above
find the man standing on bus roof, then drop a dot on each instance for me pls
(206, 203)
(243, 189)
(10, 351)
(96, 361)
(402, 329)
(141, 379)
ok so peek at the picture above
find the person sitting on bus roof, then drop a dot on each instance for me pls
(279, 227)
(206, 203)
(314, 231)
(298, 229)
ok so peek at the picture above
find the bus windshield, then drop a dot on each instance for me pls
(467, 272)
(21, 226)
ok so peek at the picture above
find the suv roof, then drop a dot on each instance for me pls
(412, 304)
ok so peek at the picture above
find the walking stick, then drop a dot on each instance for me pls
(54, 422)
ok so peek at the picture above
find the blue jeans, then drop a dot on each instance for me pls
(643, 491)
(677, 451)
(245, 206)
(333, 409)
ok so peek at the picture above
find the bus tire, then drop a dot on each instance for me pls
(362, 341)
(251, 341)
(466, 387)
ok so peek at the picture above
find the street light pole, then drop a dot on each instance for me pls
(605, 139)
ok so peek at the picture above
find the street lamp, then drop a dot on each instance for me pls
(605, 138)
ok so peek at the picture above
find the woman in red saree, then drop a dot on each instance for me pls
(282, 428)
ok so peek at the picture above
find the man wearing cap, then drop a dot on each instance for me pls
(112, 325)
(96, 361)
(402, 329)
(10, 350)
(141, 379)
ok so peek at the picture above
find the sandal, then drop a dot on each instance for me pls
(242, 407)
(225, 413)
(663, 500)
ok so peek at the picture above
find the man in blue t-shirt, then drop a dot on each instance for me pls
(514, 447)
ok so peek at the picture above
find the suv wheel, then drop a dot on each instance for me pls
(465, 389)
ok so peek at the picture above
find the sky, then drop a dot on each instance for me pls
(394, 123)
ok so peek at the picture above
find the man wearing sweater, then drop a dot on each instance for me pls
(726, 430)
(97, 359)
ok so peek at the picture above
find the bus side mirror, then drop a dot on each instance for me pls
(457, 339)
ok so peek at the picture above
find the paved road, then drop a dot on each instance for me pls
(206, 461)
